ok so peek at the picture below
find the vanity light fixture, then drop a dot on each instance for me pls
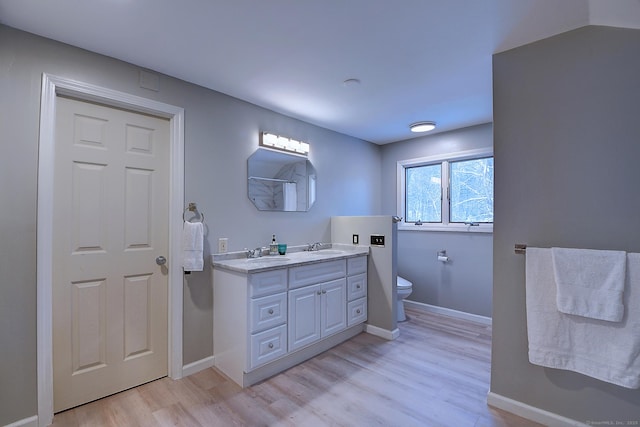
(422, 126)
(282, 143)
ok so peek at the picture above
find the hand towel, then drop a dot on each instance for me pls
(604, 350)
(192, 244)
(590, 282)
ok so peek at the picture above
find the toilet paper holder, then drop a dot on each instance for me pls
(442, 256)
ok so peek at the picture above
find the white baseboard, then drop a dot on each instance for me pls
(531, 412)
(26, 422)
(197, 366)
(449, 312)
(383, 333)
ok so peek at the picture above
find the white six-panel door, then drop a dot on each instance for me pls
(111, 201)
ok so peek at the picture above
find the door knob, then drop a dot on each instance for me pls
(161, 260)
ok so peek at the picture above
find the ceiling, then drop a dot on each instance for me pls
(415, 60)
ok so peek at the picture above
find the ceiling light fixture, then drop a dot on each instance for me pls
(282, 143)
(422, 126)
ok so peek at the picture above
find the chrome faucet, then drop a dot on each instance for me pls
(254, 253)
(314, 246)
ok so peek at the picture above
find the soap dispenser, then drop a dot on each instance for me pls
(273, 247)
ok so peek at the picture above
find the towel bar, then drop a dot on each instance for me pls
(193, 208)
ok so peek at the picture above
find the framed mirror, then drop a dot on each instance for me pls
(278, 181)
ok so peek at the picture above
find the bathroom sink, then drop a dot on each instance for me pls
(328, 252)
(268, 260)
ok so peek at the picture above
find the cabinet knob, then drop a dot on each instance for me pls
(358, 286)
(319, 293)
(271, 311)
(324, 292)
(270, 345)
(358, 311)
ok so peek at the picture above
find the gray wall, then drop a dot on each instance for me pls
(566, 158)
(465, 283)
(220, 134)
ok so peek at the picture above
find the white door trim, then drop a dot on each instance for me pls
(51, 87)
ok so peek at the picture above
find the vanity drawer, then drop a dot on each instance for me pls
(356, 311)
(267, 282)
(357, 265)
(316, 273)
(267, 312)
(356, 286)
(268, 345)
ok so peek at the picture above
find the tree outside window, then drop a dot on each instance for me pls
(467, 186)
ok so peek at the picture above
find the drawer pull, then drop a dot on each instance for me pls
(270, 345)
(271, 311)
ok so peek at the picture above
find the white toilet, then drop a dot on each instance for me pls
(404, 288)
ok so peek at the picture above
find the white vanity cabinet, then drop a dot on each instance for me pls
(316, 311)
(317, 302)
(268, 320)
(249, 320)
(356, 290)
(267, 316)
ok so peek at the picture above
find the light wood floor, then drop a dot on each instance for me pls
(435, 374)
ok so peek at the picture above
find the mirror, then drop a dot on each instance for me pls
(280, 181)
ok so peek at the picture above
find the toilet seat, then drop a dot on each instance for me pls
(403, 283)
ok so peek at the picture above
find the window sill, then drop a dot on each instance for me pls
(456, 228)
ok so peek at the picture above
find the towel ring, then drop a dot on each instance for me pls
(192, 208)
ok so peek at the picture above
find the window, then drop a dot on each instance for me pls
(471, 191)
(447, 193)
(424, 193)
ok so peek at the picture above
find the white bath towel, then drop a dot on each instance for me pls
(604, 350)
(192, 244)
(590, 282)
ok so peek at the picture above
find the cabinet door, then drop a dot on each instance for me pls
(357, 265)
(310, 274)
(304, 316)
(357, 311)
(267, 282)
(334, 307)
(356, 286)
(267, 312)
(268, 345)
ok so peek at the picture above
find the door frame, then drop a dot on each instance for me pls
(52, 86)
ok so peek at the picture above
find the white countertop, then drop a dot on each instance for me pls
(238, 261)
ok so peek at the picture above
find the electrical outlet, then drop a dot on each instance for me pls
(222, 245)
(355, 239)
(377, 240)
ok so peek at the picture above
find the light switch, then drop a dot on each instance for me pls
(377, 240)
(222, 245)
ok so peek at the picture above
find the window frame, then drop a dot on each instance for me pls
(444, 160)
